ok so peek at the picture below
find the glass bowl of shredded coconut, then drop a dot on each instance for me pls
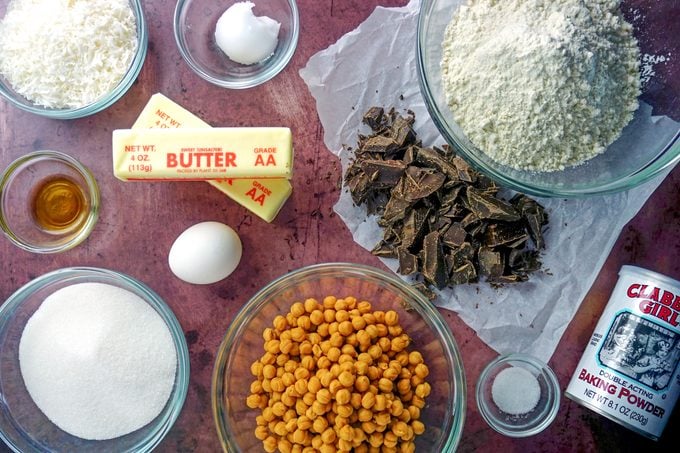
(69, 59)
(91, 360)
(564, 98)
(314, 306)
(517, 395)
(236, 44)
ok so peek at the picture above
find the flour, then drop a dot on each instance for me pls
(541, 85)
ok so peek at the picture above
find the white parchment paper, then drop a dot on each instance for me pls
(375, 65)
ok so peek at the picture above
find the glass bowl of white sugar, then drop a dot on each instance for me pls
(563, 100)
(518, 395)
(236, 44)
(70, 59)
(91, 360)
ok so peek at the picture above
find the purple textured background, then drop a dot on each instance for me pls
(139, 222)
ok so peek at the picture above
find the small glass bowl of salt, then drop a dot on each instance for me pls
(518, 395)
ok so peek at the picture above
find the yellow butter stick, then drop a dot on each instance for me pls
(202, 153)
(263, 197)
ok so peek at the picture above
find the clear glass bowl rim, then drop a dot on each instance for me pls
(543, 368)
(93, 188)
(235, 83)
(107, 99)
(252, 308)
(669, 157)
(73, 275)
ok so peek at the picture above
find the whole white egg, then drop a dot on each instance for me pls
(205, 253)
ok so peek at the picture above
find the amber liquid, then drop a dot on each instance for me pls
(59, 205)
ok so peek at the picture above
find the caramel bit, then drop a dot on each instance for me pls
(442, 220)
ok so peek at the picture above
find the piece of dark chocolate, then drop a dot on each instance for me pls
(414, 226)
(401, 131)
(380, 145)
(431, 158)
(383, 174)
(489, 207)
(408, 262)
(395, 209)
(434, 267)
(465, 173)
(384, 249)
(535, 216)
(454, 236)
(523, 261)
(491, 263)
(373, 118)
(465, 273)
(509, 234)
(421, 182)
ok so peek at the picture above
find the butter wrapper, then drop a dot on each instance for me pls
(263, 197)
(202, 153)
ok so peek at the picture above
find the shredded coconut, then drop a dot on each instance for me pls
(541, 85)
(66, 53)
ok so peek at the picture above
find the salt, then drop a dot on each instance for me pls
(515, 391)
(97, 360)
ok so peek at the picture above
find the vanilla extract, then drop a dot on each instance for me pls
(59, 205)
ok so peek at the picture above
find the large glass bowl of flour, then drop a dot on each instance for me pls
(25, 427)
(647, 146)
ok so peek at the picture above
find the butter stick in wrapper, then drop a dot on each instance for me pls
(263, 197)
(203, 153)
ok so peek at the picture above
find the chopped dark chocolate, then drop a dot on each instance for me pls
(445, 222)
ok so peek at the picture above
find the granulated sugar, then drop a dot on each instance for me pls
(541, 85)
(515, 391)
(97, 360)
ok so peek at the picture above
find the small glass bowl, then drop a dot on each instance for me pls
(19, 184)
(194, 26)
(444, 412)
(23, 427)
(532, 422)
(102, 102)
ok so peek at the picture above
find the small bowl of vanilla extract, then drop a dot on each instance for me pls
(49, 202)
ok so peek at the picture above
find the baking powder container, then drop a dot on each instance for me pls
(629, 369)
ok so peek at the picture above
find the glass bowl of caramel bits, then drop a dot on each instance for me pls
(338, 357)
(49, 202)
